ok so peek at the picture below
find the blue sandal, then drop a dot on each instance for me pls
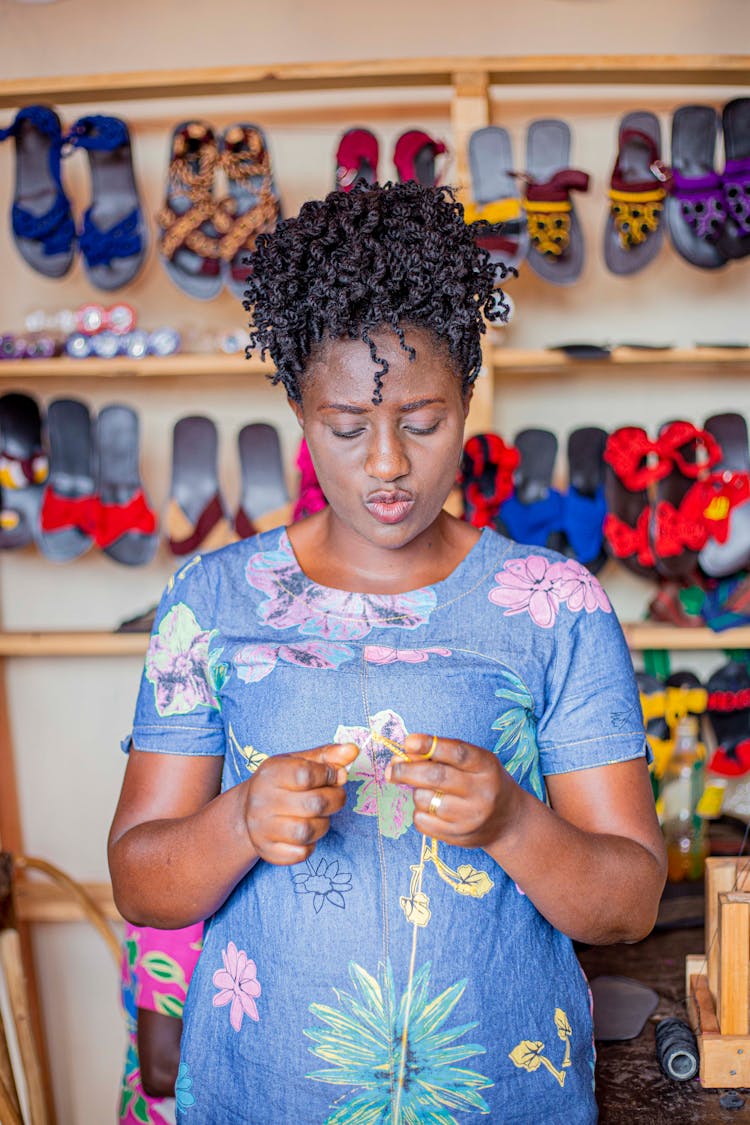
(113, 236)
(42, 223)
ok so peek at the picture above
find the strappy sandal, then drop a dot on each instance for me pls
(496, 201)
(196, 515)
(627, 479)
(678, 529)
(190, 244)
(253, 205)
(486, 477)
(264, 500)
(556, 249)
(126, 529)
(696, 210)
(734, 240)
(69, 506)
(113, 236)
(728, 549)
(729, 713)
(43, 228)
(534, 513)
(23, 469)
(357, 159)
(415, 155)
(638, 187)
(584, 505)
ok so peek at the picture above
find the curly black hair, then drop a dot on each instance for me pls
(396, 255)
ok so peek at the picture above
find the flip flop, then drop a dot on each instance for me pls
(43, 228)
(556, 249)
(357, 159)
(196, 516)
(264, 500)
(23, 469)
(720, 559)
(634, 231)
(69, 505)
(127, 527)
(584, 505)
(735, 238)
(113, 239)
(696, 209)
(534, 514)
(496, 199)
(414, 156)
(254, 205)
(190, 242)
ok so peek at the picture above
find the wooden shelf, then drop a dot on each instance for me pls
(546, 359)
(289, 77)
(36, 901)
(644, 635)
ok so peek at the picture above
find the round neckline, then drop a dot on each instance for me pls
(443, 586)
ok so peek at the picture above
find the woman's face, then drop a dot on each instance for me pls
(386, 470)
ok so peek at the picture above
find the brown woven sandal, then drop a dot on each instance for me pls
(253, 205)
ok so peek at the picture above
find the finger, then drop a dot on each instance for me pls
(449, 751)
(311, 803)
(435, 804)
(295, 831)
(338, 755)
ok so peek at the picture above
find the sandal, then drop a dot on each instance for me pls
(696, 209)
(728, 549)
(253, 206)
(486, 477)
(414, 155)
(734, 240)
(196, 516)
(627, 478)
(496, 199)
(190, 242)
(23, 470)
(69, 513)
(43, 228)
(639, 185)
(729, 713)
(584, 506)
(264, 502)
(113, 236)
(534, 514)
(357, 159)
(556, 250)
(126, 529)
(677, 528)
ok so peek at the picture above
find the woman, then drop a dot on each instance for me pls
(398, 762)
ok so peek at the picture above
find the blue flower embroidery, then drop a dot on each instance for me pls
(182, 1088)
(324, 882)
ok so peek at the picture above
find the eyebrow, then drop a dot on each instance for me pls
(407, 408)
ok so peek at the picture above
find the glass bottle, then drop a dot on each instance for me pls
(682, 788)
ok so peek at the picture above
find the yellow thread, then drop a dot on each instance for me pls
(499, 211)
(543, 205)
(392, 746)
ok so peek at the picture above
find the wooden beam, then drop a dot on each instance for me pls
(45, 902)
(734, 963)
(702, 1009)
(11, 963)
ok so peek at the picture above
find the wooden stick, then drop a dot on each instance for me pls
(11, 964)
(734, 961)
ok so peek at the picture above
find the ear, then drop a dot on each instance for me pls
(297, 408)
(467, 400)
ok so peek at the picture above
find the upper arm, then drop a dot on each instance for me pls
(164, 787)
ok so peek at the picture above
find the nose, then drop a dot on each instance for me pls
(386, 459)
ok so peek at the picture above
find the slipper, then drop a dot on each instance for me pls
(253, 207)
(584, 505)
(534, 514)
(69, 506)
(486, 478)
(414, 156)
(677, 528)
(43, 228)
(671, 605)
(310, 497)
(582, 351)
(140, 623)
(127, 525)
(496, 199)
(718, 558)
(23, 469)
(113, 237)
(264, 500)
(627, 478)
(556, 249)
(696, 209)
(357, 159)
(638, 187)
(735, 238)
(729, 713)
(196, 516)
(190, 243)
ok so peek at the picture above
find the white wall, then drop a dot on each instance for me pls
(68, 715)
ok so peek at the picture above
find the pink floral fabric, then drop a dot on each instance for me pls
(238, 985)
(536, 586)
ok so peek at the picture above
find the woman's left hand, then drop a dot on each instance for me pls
(462, 793)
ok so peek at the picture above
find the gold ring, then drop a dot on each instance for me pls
(431, 751)
(436, 802)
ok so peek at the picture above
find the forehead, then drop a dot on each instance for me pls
(348, 367)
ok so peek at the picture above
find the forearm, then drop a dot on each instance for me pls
(172, 873)
(594, 887)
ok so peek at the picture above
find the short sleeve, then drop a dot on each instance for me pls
(592, 714)
(178, 710)
(163, 962)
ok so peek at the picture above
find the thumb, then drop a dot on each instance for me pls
(340, 755)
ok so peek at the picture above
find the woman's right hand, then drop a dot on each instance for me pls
(291, 798)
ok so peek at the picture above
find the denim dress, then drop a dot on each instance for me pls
(389, 977)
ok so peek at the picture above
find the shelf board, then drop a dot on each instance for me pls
(547, 359)
(505, 71)
(123, 367)
(36, 901)
(640, 635)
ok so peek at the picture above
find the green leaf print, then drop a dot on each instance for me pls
(169, 1005)
(516, 729)
(162, 967)
(141, 1112)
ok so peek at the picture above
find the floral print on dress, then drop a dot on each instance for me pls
(294, 602)
(362, 1043)
(238, 985)
(536, 586)
(255, 662)
(381, 654)
(176, 664)
(325, 882)
(516, 729)
(393, 805)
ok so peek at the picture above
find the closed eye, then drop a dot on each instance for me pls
(416, 430)
(347, 433)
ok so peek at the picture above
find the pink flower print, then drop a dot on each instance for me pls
(238, 984)
(380, 654)
(393, 805)
(176, 663)
(580, 590)
(529, 585)
(255, 662)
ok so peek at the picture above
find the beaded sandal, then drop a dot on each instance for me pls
(23, 469)
(43, 228)
(735, 179)
(638, 187)
(556, 250)
(190, 242)
(696, 209)
(253, 206)
(496, 200)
